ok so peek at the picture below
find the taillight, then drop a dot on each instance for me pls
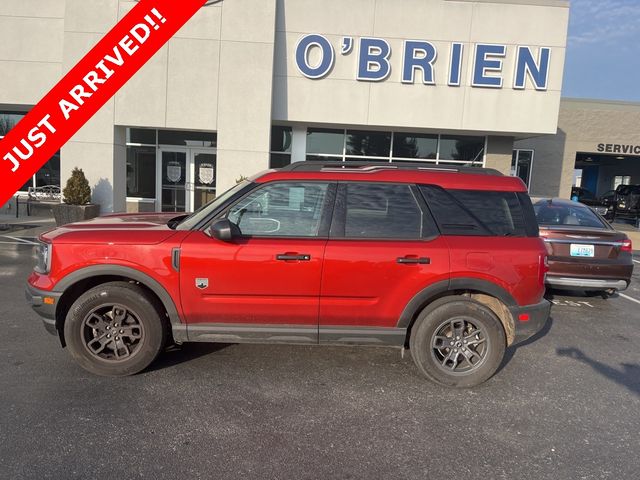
(627, 246)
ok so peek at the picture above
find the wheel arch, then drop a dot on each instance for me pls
(79, 281)
(489, 294)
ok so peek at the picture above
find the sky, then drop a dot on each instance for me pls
(603, 50)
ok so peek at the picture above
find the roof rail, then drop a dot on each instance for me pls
(368, 167)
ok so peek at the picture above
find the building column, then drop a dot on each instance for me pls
(97, 148)
(499, 154)
(245, 89)
(103, 161)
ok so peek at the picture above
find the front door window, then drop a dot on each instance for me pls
(281, 210)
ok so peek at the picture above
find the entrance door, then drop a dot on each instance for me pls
(186, 178)
(173, 181)
(204, 177)
(522, 164)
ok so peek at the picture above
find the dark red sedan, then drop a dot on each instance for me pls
(585, 252)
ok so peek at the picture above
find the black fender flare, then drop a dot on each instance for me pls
(121, 271)
(427, 295)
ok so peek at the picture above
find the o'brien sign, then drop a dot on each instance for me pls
(374, 61)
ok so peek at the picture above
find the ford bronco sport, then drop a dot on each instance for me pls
(444, 261)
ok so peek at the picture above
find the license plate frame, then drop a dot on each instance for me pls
(582, 250)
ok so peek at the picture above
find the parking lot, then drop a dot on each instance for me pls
(564, 405)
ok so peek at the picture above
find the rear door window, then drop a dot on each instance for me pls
(381, 211)
(475, 212)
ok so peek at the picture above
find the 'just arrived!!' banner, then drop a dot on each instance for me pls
(87, 87)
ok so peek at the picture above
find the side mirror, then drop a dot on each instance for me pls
(224, 230)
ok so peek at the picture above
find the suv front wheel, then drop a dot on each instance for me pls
(457, 342)
(114, 329)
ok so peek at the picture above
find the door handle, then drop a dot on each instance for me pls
(414, 260)
(287, 257)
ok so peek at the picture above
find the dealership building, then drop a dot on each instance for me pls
(251, 84)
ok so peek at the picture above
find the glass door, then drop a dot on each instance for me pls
(173, 180)
(204, 177)
(522, 164)
(186, 178)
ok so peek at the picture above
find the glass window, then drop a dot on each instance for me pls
(473, 212)
(204, 211)
(521, 163)
(548, 213)
(26, 186)
(469, 149)
(279, 160)
(369, 144)
(8, 120)
(324, 140)
(141, 172)
(281, 139)
(410, 145)
(185, 138)
(621, 180)
(141, 135)
(323, 158)
(382, 211)
(281, 209)
(49, 174)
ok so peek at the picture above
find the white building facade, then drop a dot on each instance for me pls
(251, 84)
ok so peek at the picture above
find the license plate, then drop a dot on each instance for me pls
(579, 250)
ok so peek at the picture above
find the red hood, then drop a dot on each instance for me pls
(129, 228)
(125, 220)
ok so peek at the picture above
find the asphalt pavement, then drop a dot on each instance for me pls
(564, 405)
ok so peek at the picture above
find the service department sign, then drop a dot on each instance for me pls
(374, 61)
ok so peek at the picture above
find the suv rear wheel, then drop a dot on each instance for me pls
(114, 329)
(457, 342)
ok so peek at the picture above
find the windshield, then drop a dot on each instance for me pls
(203, 212)
(550, 214)
(628, 189)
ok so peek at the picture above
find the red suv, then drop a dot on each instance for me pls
(444, 261)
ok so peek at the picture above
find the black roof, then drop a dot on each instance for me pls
(317, 166)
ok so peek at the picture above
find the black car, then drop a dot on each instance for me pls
(608, 198)
(627, 202)
(586, 197)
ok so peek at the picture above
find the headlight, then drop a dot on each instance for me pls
(43, 257)
(601, 210)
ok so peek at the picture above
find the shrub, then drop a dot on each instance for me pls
(77, 191)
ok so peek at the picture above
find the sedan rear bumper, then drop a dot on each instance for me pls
(590, 274)
(587, 283)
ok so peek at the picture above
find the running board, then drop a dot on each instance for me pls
(289, 334)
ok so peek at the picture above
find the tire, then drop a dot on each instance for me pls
(447, 360)
(115, 329)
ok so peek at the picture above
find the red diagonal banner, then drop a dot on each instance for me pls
(87, 87)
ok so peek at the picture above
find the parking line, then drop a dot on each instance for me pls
(637, 261)
(628, 297)
(19, 240)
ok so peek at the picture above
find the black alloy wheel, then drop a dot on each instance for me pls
(116, 329)
(459, 345)
(112, 332)
(457, 341)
